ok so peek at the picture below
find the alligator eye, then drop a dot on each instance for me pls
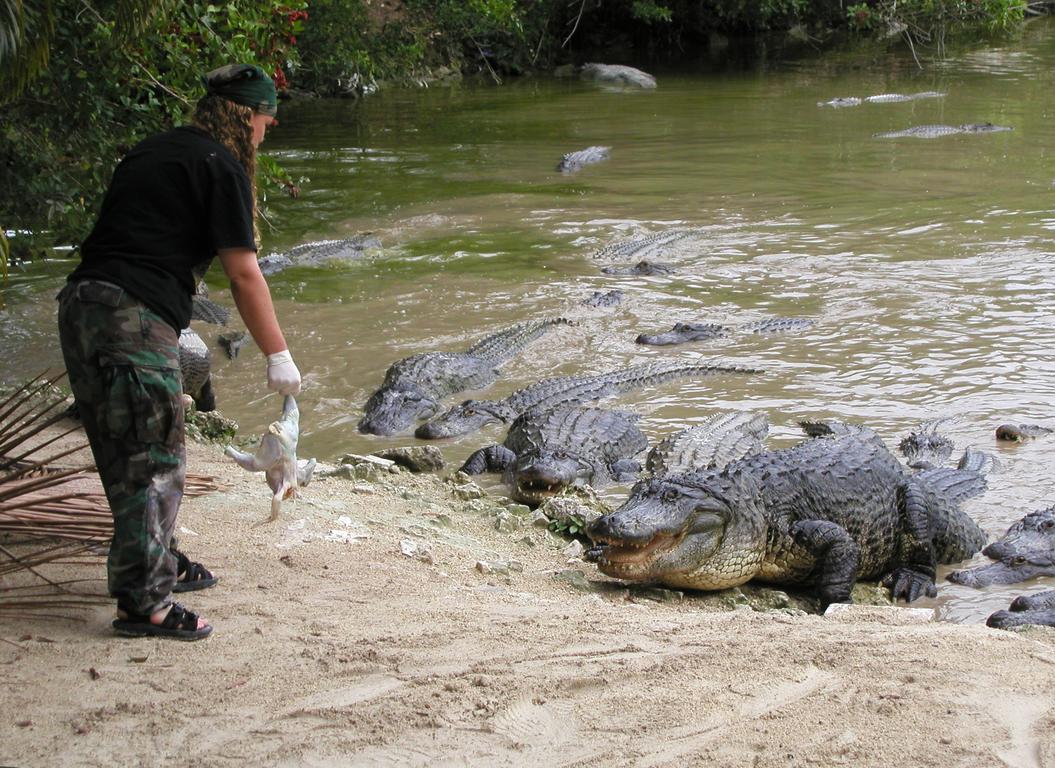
(1047, 525)
(669, 495)
(561, 454)
(1019, 560)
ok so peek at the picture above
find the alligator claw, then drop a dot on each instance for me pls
(904, 583)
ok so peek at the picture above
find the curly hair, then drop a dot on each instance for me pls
(231, 125)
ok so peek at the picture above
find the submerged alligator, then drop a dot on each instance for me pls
(1025, 551)
(641, 269)
(574, 161)
(320, 253)
(686, 332)
(935, 131)
(1038, 609)
(880, 98)
(414, 386)
(925, 447)
(1020, 433)
(827, 512)
(606, 299)
(563, 390)
(547, 451)
(647, 246)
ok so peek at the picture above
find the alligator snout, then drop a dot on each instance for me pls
(1009, 570)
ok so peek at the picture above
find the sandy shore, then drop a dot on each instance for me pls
(359, 630)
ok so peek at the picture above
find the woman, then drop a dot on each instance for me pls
(176, 200)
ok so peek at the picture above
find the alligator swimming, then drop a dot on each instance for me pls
(1025, 551)
(547, 451)
(641, 269)
(606, 299)
(935, 131)
(828, 511)
(414, 386)
(926, 447)
(881, 98)
(686, 332)
(1038, 609)
(1020, 433)
(320, 253)
(574, 161)
(563, 390)
(617, 74)
(646, 247)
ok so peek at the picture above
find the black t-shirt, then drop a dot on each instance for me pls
(175, 199)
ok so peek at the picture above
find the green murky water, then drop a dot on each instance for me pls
(927, 264)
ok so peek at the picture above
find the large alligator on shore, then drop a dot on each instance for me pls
(547, 451)
(1038, 609)
(413, 387)
(564, 390)
(682, 333)
(1025, 551)
(826, 512)
(936, 131)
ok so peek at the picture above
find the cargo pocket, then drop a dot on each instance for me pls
(143, 401)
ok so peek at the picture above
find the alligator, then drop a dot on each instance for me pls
(547, 451)
(195, 365)
(1020, 433)
(320, 253)
(641, 269)
(1025, 551)
(617, 74)
(413, 386)
(646, 247)
(685, 332)
(1038, 609)
(881, 98)
(925, 447)
(935, 131)
(563, 390)
(574, 161)
(716, 442)
(232, 342)
(826, 512)
(276, 457)
(606, 299)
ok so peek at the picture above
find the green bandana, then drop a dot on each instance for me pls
(244, 84)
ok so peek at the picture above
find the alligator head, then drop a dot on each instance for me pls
(461, 419)
(542, 475)
(1037, 609)
(1008, 570)
(1033, 533)
(395, 408)
(699, 531)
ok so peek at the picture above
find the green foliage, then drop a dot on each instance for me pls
(106, 89)
(648, 12)
(935, 21)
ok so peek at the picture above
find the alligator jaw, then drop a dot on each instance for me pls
(631, 560)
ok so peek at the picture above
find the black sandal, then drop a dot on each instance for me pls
(195, 575)
(179, 624)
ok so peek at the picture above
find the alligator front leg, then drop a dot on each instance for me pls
(837, 556)
(914, 576)
(493, 458)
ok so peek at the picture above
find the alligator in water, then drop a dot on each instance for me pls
(1025, 551)
(1020, 433)
(925, 447)
(641, 269)
(828, 511)
(605, 299)
(935, 131)
(1038, 609)
(547, 451)
(413, 386)
(563, 390)
(574, 161)
(685, 332)
(880, 98)
(617, 75)
(320, 253)
(647, 246)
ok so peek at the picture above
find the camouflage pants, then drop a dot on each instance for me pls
(123, 366)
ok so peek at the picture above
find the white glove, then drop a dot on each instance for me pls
(282, 374)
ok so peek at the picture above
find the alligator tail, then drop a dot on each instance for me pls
(508, 342)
